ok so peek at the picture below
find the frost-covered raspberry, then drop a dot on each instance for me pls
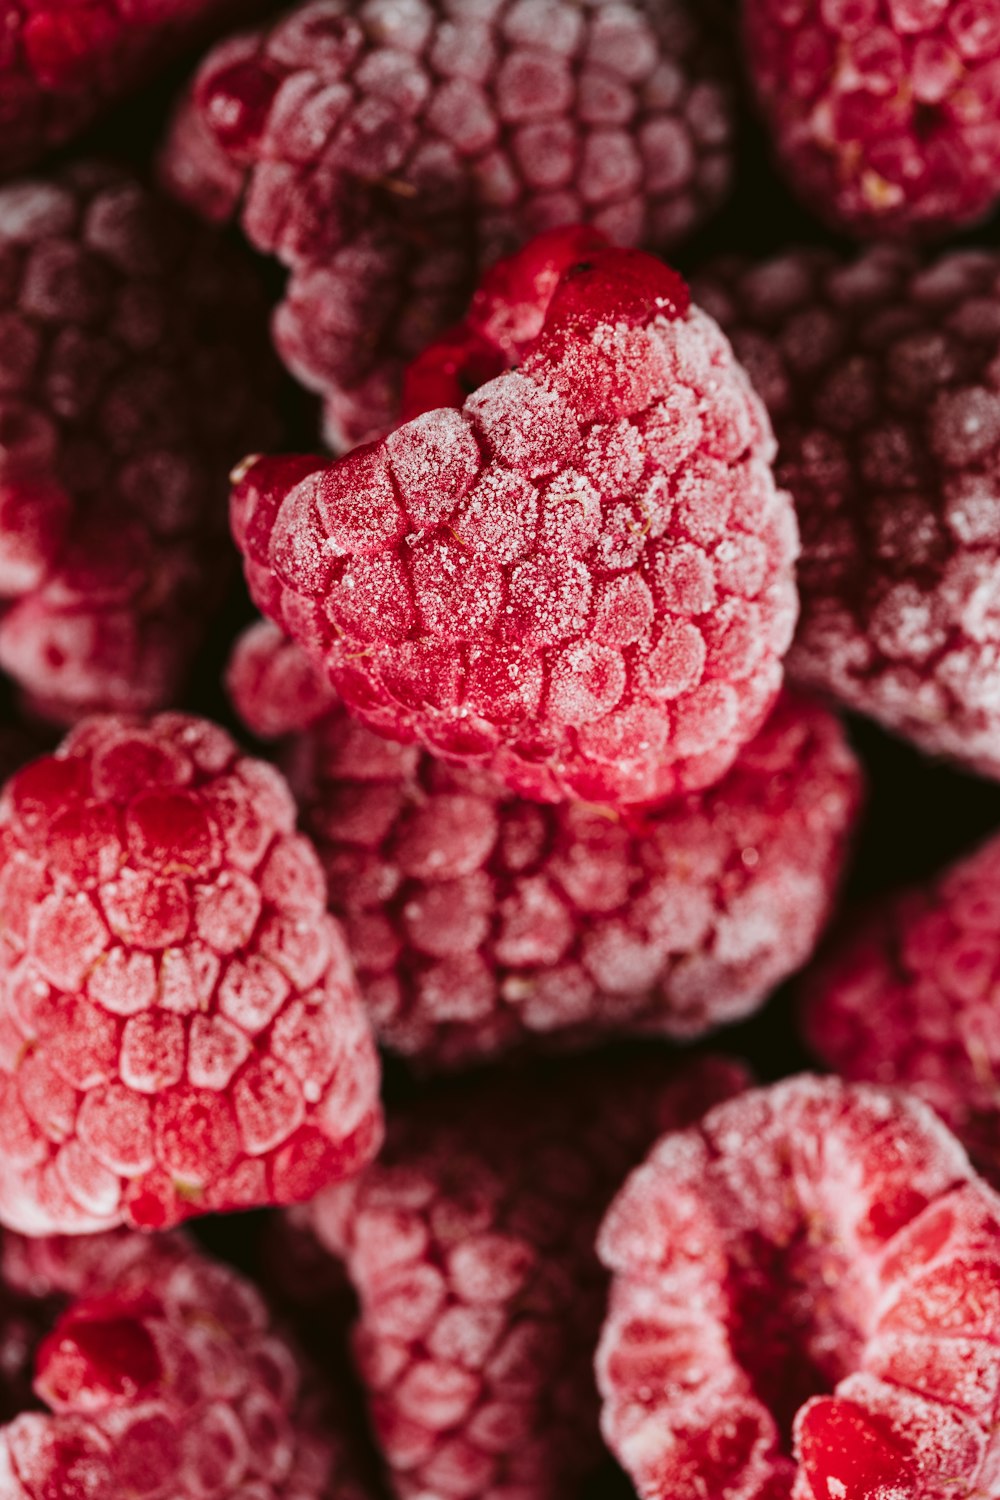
(804, 1305)
(162, 1375)
(180, 1029)
(884, 113)
(882, 379)
(386, 152)
(583, 579)
(62, 61)
(478, 921)
(470, 1244)
(134, 370)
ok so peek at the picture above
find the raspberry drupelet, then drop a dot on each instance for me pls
(470, 1243)
(161, 1374)
(180, 1030)
(478, 922)
(882, 378)
(885, 114)
(386, 152)
(805, 1305)
(134, 370)
(582, 580)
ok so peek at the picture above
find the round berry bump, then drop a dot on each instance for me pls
(386, 156)
(181, 1030)
(804, 1304)
(582, 579)
(882, 379)
(470, 1245)
(134, 370)
(478, 921)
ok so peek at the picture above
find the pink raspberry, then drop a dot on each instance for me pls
(163, 1374)
(804, 1305)
(134, 371)
(884, 113)
(882, 378)
(387, 152)
(478, 921)
(470, 1244)
(180, 1030)
(581, 580)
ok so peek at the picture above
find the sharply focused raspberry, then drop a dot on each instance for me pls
(885, 113)
(179, 1025)
(882, 378)
(134, 371)
(582, 579)
(386, 152)
(477, 920)
(470, 1243)
(62, 61)
(805, 1304)
(163, 1376)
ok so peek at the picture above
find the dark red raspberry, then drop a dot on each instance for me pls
(179, 1026)
(387, 152)
(470, 1243)
(583, 579)
(163, 1375)
(882, 378)
(805, 1304)
(884, 113)
(478, 921)
(134, 371)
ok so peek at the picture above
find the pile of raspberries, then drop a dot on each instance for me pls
(500, 750)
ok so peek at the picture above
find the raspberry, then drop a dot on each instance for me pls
(477, 921)
(883, 381)
(804, 1304)
(162, 1374)
(470, 1244)
(387, 152)
(63, 61)
(133, 371)
(180, 1026)
(582, 580)
(885, 114)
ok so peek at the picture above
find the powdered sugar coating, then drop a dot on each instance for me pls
(134, 371)
(881, 378)
(385, 155)
(470, 1244)
(884, 113)
(180, 1026)
(804, 1304)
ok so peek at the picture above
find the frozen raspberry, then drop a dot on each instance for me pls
(63, 61)
(470, 1243)
(477, 921)
(134, 370)
(805, 1305)
(882, 378)
(582, 579)
(162, 1375)
(386, 152)
(179, 1026)
(884, 113)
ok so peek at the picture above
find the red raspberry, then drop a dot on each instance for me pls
(805, 1304)
(470, 1244)
(882, 378)
(477, 921)
(884, 113)
(387, 152)
(134, 371)
(179, 1025)
(163, 1375)
(583, 579)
